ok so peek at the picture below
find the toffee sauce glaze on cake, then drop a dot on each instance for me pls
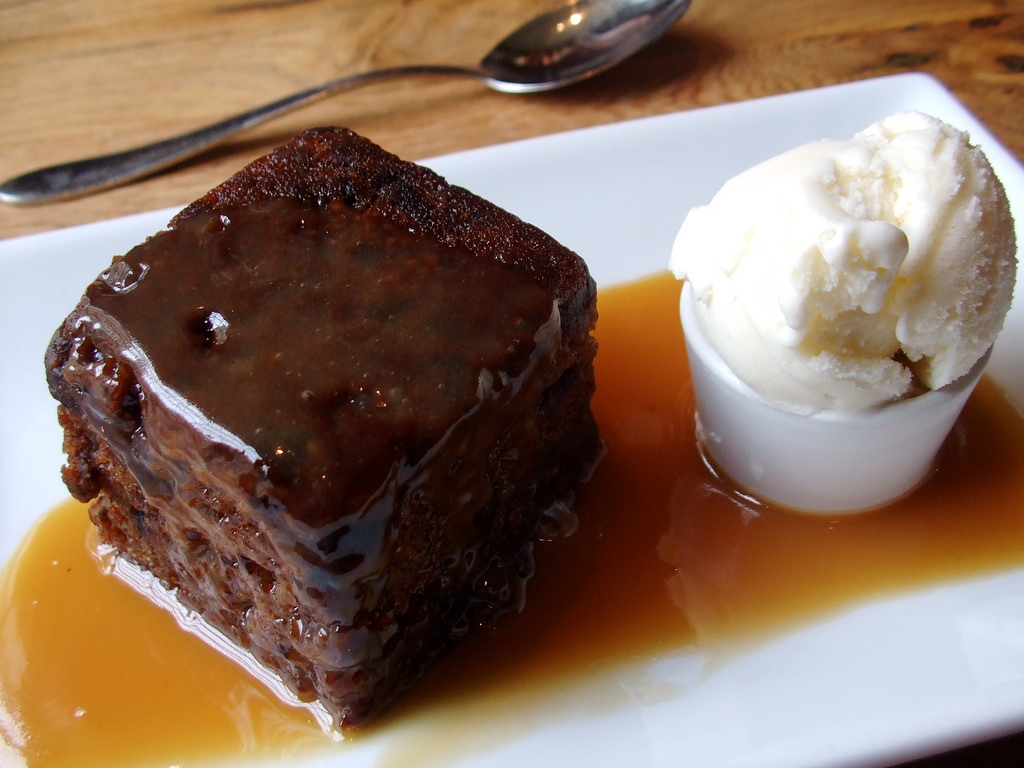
(330, 417)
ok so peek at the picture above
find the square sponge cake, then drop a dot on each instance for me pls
(328, 409)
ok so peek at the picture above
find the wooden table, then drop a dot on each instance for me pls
(82, 78)
(78, 79)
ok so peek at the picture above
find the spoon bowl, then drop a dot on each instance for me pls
(555, 49)
(575, 42)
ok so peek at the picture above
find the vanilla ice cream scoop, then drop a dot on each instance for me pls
(846, 274)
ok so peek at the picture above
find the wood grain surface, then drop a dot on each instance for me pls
(83, 78)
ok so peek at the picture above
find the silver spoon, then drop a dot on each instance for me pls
(555, 49)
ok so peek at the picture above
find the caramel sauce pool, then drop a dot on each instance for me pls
(666, 557)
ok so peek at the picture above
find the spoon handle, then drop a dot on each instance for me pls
(81, 177)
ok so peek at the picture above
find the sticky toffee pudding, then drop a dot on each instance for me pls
(328, 409)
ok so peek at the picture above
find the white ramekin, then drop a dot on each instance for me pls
(828, 462)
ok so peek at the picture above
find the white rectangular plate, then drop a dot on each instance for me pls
(886, 681)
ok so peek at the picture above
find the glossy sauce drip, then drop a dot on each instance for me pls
(666, 557)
